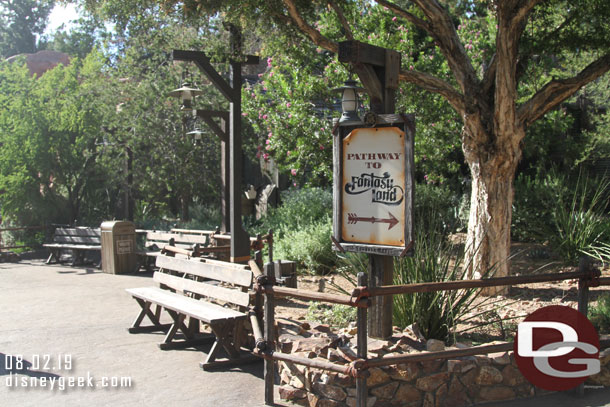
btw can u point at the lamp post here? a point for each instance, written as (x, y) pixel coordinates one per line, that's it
(231, 159)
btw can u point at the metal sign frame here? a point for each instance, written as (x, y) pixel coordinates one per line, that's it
(406, 123)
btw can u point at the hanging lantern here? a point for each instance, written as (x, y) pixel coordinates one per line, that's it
(349, 101)
(186, 93)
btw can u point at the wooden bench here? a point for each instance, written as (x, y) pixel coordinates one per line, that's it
(210, 243)
(203, 291)
(79, 241)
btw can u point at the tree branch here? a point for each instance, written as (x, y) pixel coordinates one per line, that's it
(556, 91)
(348, 31)
(311, 32)
(524, 8)
(489, 76)
(416, 21)
(433, 84)
(443, 31)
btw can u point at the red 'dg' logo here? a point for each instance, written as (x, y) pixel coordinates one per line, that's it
(557, 348)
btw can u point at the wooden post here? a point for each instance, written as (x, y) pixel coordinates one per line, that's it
(361, 323)
(381, 270)
(583, 304)
(378, 70)
(269, 367)
(232, 148)
(240, 241)
(225, 200)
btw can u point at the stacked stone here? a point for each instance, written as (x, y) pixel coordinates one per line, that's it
(453, 383)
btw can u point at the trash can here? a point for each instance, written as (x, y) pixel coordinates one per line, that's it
(118, 247)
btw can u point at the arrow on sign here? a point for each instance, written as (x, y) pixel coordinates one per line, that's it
(352, 218)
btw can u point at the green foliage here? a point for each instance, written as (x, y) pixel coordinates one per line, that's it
(309, 246)
(302, 226)
(599, 314)
(435, 259)
(337, 316)
(535, 199)
(299, 208)
(576, 208)
(20, 24)
(580, 219)
(292, 130)
(48, 128)
(439, 208)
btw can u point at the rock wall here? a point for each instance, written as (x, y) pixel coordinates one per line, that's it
(441, 383)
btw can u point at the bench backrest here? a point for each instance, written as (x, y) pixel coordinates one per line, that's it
(211, 273)
(79, 235)
(181, 240)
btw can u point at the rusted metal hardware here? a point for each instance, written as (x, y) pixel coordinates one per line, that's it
(360, 294)
(446, 354)
(176, 250)
(337, 244)
(407, 248)
(480, 283)
(308, 295)
(317, 364)
(255, 269)
(592, 279)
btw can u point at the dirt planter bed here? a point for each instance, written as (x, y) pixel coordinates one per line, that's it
(464, 381)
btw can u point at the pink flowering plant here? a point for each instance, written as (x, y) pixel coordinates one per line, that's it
(289, 109)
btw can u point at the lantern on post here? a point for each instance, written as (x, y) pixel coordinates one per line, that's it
(349, 102)
(186, 93)
(196, 134)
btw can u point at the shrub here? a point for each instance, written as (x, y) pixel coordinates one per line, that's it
(600, 314)
(309, 246)
(300, 208)
(434, 259)
(534, 200)
(338, 316)
(580, 221)
(446, 205)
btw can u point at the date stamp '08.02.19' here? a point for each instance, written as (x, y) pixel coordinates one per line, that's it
(47, 371)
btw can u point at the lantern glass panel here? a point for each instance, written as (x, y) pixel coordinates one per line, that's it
(349, 102)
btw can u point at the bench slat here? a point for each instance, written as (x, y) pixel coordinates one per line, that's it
(178, 238)
(81, 231)
(220, 293)
(201, 310)
(77, 239)
(72, 246)
(212, 270)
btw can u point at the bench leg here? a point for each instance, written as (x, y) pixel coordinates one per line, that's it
(188, 332)
(154, 318)
(223, 332)
(54, 254)
(77, 257)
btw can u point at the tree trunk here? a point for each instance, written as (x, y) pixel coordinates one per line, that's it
(492, 168)
(184, 208)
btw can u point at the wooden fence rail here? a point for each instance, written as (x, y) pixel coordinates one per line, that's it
(14, 229)
(587, 277)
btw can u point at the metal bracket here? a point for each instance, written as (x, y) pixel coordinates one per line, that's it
(337, 244)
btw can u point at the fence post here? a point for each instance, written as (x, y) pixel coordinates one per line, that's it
(584, 264)
(269, 368)
(361, 390)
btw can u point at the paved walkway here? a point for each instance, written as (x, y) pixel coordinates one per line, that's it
(54, 314)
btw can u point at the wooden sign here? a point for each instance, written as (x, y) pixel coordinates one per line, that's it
(374, 190)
